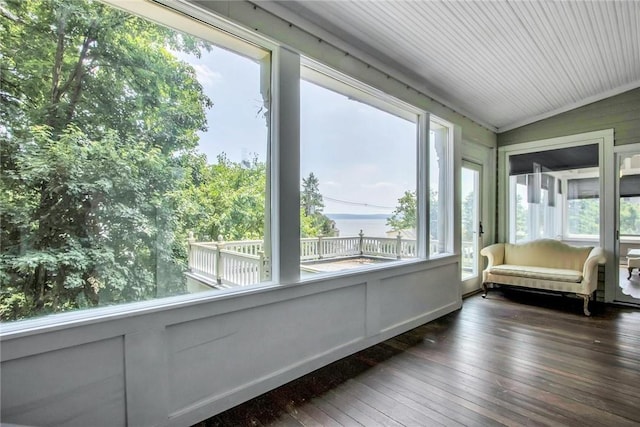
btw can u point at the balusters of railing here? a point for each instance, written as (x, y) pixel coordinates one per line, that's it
(198, 258)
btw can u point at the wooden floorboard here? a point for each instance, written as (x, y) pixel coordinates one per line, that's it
(512, 359)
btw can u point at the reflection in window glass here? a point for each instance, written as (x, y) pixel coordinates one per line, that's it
(583, 207)
(536, 206)
(358, 178)
(630, 216)
(555, 194)
(133, 160)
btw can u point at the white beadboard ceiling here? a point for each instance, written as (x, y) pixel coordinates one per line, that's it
(503, 63)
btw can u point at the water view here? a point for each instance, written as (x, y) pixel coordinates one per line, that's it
(351, 224)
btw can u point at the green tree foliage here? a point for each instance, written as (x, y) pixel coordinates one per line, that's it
(521, 219)
(584, 216)
(468, 225)
(99, 119)
(630, 216)
(307, 225)
(405, 215)
(312, 221)
(224, 199)
(310, 197)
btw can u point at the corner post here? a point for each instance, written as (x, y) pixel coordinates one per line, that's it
(219, 246)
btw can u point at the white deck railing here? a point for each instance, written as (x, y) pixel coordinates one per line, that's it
(237, 263)
(242, 263)
(203, 259)
(242, 269)
(468, 257)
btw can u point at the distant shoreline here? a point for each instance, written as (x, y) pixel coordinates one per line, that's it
(338, 216)
(350, 225)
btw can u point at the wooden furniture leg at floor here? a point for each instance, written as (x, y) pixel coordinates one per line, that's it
(585, 307)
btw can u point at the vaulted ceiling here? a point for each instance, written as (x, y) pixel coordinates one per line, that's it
(503, 63)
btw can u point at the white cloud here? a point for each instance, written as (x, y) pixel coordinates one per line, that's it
(206, 75)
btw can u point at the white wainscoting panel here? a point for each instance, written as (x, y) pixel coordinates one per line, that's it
(208, 357)
(181, 363)
(77, 386)
(414, 296)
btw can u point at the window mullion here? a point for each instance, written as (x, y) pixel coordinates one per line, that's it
(423, 185)
(285, 163)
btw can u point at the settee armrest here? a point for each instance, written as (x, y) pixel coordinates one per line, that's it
(590, 269)
(494, 254)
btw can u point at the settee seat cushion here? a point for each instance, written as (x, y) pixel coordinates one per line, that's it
(542, 273)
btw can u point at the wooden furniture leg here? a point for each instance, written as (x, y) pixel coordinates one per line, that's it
(586, 305)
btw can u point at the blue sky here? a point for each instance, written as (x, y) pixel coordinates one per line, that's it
(360, 154)
(235, 124)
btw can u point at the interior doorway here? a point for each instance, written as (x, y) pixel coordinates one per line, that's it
(628, 225)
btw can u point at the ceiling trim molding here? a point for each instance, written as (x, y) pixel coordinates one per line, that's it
(304, 24)
(581, 103)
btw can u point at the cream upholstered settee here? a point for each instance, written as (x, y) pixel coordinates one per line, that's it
(545, 264)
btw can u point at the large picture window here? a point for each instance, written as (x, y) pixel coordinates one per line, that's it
(134, 158)
(359, 176)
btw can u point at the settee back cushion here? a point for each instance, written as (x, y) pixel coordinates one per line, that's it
(546, 253)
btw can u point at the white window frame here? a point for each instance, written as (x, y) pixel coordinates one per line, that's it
(451, 163)
(331, 79)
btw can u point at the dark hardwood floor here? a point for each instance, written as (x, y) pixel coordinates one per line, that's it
(513, 359)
